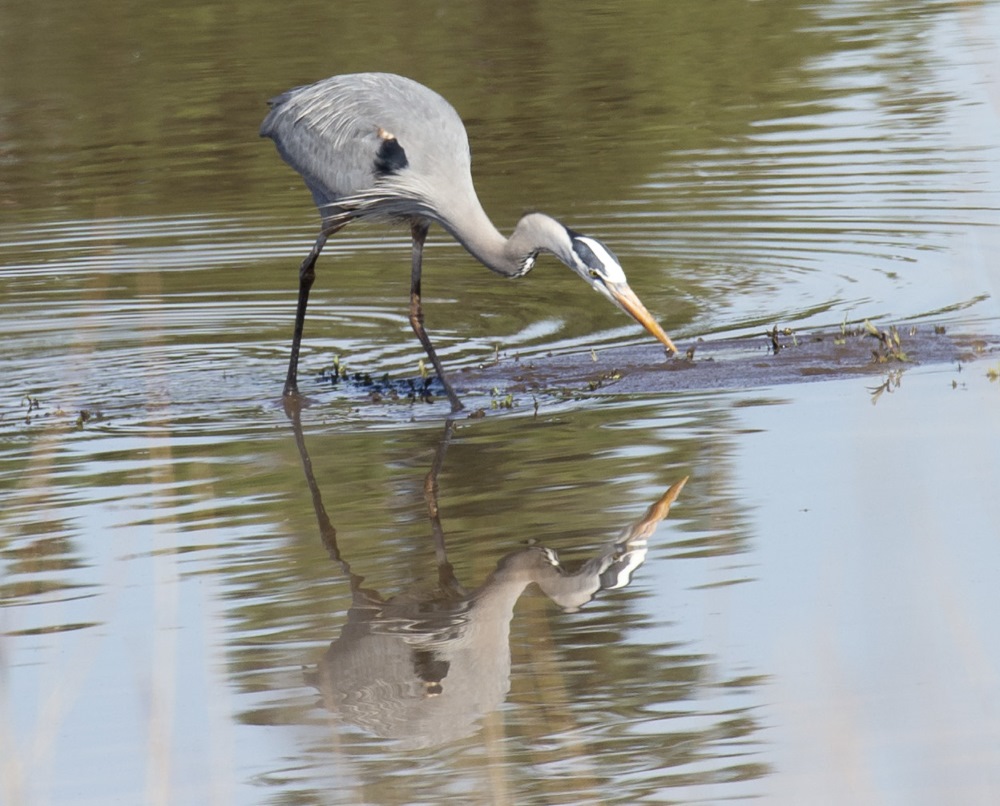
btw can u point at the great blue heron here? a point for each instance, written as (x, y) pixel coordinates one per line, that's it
(381, 146)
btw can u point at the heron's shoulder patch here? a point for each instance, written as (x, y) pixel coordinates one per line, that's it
(390, 157)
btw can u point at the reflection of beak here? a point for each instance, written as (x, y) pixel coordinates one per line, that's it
(632, 305)
(643, 528)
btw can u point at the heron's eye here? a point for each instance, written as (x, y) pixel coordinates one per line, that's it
(594, 273)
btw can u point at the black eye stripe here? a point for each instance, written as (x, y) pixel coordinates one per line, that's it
(586, 254)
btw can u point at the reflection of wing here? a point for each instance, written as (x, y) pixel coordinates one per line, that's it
(422, 691)
(612, 568)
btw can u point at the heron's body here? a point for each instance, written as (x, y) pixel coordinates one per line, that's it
(381, 146)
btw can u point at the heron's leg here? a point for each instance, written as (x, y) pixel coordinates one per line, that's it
(419, 231)
(446, 573)
(307, 274)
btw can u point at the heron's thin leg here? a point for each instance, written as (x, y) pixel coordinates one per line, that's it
(446, 573)
(307, 274)
(327, 532)
(419, 231)
(431, 493)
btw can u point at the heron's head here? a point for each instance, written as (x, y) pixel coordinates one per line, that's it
(597, 264)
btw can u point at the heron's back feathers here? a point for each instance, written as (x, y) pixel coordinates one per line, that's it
(373, 145)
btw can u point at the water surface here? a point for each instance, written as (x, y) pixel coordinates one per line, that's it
(813, 620)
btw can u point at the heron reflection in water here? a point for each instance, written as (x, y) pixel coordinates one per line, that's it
(423, 668)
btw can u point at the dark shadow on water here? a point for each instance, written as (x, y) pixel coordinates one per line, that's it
(424, 667)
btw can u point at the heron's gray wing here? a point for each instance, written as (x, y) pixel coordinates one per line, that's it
(318, 131)
(369, 143)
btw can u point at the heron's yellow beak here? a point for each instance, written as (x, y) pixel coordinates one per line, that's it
(632, 305)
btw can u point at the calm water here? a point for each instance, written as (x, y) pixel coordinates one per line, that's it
(204, 602)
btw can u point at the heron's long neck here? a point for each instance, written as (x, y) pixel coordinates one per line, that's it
(507, 256)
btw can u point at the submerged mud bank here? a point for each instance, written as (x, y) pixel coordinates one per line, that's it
(773, 358)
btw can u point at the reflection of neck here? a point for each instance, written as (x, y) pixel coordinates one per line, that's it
(513, 574)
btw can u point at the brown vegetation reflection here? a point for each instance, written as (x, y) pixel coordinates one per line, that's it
(424, 667)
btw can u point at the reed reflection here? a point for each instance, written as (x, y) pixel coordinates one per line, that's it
(424, 667)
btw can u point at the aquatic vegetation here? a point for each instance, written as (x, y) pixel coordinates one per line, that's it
(774, 333)
(605, 377)
(499, 400)
(87, 415)
(383, 388)
(890, 345)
